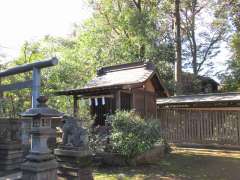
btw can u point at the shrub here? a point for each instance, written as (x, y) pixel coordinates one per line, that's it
(131, 135)
(99, 139)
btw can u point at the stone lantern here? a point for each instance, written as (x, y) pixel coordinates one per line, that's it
(40, 164)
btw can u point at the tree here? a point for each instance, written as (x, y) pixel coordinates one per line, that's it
(178, 47)
(135, 29)
(18, 101)
(202, 36)
(231, 78)
(71, 72)
(119, 32)
(127, 31)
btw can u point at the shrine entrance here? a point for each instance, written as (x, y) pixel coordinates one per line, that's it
(34, 83)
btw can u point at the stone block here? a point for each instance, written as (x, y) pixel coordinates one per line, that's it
(109, 159)
(46, 170)
(152, 156)
(74, 164)
(11, 156)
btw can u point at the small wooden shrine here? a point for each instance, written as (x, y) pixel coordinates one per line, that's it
(125, 87)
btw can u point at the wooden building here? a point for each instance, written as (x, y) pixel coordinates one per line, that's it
(198, 85)
(125, 87)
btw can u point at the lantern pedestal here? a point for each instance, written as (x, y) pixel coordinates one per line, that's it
(40, 170)
(74, 163)
(41, 163)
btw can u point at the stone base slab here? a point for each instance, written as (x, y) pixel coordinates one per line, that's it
(71, 153)
(10, 167)
(74, 174)
(46, 170)
(74, 164)
(39, 166)
(11, 156)
(8, 154)
(39, 157)
(10, 146)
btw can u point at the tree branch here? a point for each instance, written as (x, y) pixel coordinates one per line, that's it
(110, 24)
(137, 4)
(210, 46)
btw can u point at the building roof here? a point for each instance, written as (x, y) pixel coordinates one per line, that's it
(118, 76)
(198, 84)
(186, 76)
(200, 98)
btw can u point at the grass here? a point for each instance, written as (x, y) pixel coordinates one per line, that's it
(182, 163)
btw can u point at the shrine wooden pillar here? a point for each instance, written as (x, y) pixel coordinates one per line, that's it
(75, 106)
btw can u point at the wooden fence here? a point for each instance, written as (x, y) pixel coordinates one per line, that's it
(219, 126)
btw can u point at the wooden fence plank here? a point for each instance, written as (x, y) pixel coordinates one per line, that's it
(238, 128)
(200, 125)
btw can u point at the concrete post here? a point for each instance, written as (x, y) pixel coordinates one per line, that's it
(36, 77)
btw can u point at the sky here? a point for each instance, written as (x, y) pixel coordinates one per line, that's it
(27, 20)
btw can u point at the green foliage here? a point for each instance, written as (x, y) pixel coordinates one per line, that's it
(130, 32)
(71, 72)
(118, 32)
(122, 32)
(99, 139)
(232, 79)
(236, 46)
(132, 135)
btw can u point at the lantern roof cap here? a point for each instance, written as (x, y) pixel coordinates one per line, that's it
(42, 110)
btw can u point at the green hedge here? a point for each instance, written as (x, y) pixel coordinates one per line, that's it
(132, 135)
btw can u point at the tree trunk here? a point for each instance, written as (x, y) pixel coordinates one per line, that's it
(1, 93)
(194, 44)
(142, 52)
(178, 48)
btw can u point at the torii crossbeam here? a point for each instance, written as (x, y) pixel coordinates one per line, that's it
(34, 84)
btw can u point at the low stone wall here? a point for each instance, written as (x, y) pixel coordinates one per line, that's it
(13, 129)
(152, 156)
(109, 159)
(25, 135)
(10, 130)
(15, 141)
(11, 154)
